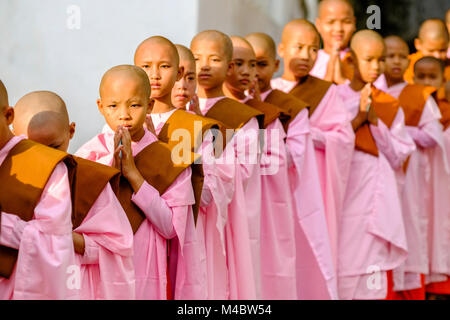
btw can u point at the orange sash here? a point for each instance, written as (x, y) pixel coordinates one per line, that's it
(311, 90)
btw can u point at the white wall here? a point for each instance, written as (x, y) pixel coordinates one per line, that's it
(39, 52)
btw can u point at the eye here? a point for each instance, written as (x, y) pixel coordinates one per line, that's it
(112, 106)
(145, 66)
(191, 78)
(165, 66)
(135, 105)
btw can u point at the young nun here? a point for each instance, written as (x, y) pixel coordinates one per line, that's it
(372, 240)
(213, 53)
(331, 130)
(36, 245)
(156, 191)
(272, 233)
(103, 238)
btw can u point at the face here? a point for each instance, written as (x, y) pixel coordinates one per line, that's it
(433, 48)
(336, 25)
(428, 74)
(184, 89)
(124, 102)
(159, 62)
(243, 69)
(211, 63)
(266, 66)
(370, 59)
(396, 59)
(300, 52)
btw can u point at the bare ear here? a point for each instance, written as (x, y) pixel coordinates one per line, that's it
(417, 44)
(281, 50)
(9, 115)
(180, 73)
(277, 65)
(230, 68)
(71, 130)
(100, 105)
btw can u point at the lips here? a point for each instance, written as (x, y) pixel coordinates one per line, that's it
(155, 85)
(244, 82)
(204, 76)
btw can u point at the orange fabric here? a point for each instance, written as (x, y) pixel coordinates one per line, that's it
(271, 111)
(288, 103)
(234, 114)
(444, 107)
(156, 166)
(23, 175)
(409, 73)
(412, 100)
(386, 108)
(439, 287)
(181, 119)
(311, 90)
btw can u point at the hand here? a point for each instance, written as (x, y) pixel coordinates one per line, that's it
(194, 105)
(126, 164)
(372, 116)
(365, 99)
(117, 159)
(78, 243)
(254, 90)
(331, 66)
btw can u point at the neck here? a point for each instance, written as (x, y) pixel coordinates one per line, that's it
(391, 81)
(138, 135)
(287, 75)
(209, 93)
(265, 89)
(233, 93)
(357, 84)
(4, 141)
(163, 104)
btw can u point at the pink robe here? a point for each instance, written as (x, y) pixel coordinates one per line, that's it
(328, 169)
(168, 216)
(372, 237)
(244, 206)
(439, 227)
(320, 66)
(46, 264)
(107, 268)
(415, 190)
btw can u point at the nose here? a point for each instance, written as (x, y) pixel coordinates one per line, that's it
(203, 64)
(154, 72)
(304, 53)
(124, 113)
(337, 26)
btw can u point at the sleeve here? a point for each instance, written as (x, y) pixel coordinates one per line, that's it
(11, 230)
(296, 139)
(395, 142)
(429, 131)
(46, 252)
(155, 209)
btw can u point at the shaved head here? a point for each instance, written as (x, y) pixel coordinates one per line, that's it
(42, 116)
(263, 42)
(241, 42)
(396, 40)
(126, 72)
(151, 42)
(363, 38)
(3, 97)
(184, 53)
(433, 29)
(429, 60)
(296, 27)
(217, 37)
(329, 5)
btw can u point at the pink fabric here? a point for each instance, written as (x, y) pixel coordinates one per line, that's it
(282, 84)
(333, 140)
(167, 216)
(278, 268)
(371, 229)
(415, 193)
(107, 269)
(316, 277)
(439, 226)
(320, 66)
(46, 252)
